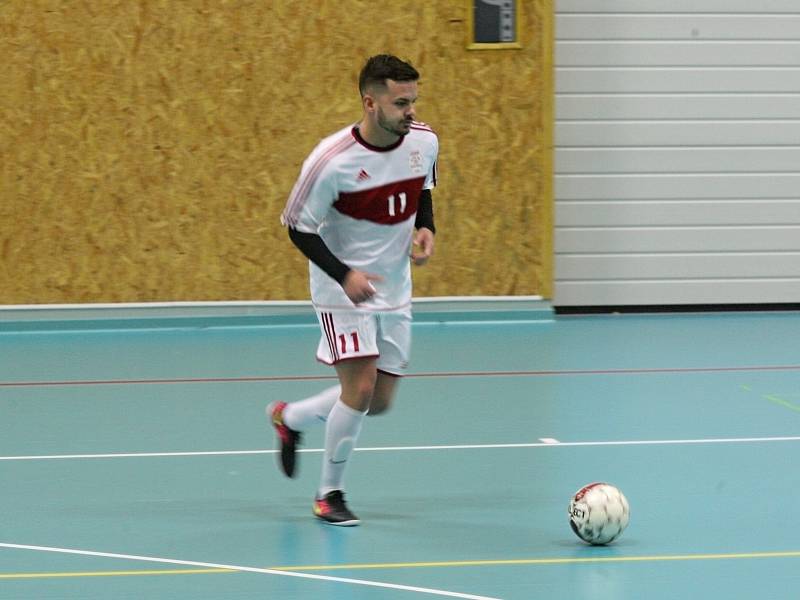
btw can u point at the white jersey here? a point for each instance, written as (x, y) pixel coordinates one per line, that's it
(362, 201)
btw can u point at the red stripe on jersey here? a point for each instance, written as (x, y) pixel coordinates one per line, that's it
(387, 204)
(299, 194)
(419, 126)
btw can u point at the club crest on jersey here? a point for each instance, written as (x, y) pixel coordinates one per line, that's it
(415, 161)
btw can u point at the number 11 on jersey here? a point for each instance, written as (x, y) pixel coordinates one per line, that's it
(392, 207)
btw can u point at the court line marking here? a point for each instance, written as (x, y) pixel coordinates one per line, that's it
(780, 401)
(557, 560)
(282, 573)
(774, 398)
(538, 373)
(139, 573)
(746, 440)
(417, 565)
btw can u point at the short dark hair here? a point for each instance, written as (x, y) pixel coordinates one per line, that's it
(381, 67)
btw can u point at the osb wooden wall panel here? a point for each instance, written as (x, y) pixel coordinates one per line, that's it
(147, 147)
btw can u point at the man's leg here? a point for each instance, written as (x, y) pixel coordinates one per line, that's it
(304, 413)
(290, 420)
(385, 389)
(357, 378)
(394, 346)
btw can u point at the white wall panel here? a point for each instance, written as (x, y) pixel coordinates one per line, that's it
(723, 7)
(678, 106)
(677, 292)
(570, 240)
(727, 265)
(687, 212)
(678, 27)
(677, 79)
(688, 134)
(670, 187)
(674, 54)
(682, 160)
(677, 152)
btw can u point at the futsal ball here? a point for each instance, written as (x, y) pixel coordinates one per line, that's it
(598, 513)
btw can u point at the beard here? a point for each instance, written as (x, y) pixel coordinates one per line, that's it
(399, 127)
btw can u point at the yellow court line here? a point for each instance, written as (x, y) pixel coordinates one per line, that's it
(418, 565)
(547, 561)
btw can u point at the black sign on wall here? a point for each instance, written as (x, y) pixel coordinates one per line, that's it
(494, 24)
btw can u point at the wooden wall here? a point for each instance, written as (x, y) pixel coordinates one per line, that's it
(147, 147)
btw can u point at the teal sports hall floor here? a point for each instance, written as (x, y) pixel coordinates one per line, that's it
(137, 463)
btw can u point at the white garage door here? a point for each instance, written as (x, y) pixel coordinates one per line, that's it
(677, 152)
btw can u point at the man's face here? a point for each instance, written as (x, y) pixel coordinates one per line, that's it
(395, 106)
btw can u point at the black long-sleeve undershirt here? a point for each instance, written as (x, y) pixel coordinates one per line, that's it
(425, 211)
(315, 249)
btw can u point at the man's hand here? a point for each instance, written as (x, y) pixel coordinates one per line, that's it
(424, 241)
(358, 287)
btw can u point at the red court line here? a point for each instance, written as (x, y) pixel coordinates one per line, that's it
(268, 378)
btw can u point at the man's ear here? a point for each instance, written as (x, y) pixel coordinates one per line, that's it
(368, 102)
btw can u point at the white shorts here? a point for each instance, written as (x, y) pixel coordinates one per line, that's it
(350, 334)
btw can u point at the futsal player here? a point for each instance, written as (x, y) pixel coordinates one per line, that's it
(359, 209)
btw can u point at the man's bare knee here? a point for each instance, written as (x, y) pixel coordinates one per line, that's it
(360, 396)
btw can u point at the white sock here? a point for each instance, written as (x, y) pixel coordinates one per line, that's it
(341, 433)
(314, 409)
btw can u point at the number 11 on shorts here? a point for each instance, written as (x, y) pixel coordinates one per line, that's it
(343, 341)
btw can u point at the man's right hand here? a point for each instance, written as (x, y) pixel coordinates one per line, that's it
(358, 287)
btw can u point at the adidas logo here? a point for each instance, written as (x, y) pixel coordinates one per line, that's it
(362, 175)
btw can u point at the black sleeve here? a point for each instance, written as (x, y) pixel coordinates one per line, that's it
(317, 252)
(425, 211)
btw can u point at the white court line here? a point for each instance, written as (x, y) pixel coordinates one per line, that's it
(548, 444)
(145, 454)
(205, 565)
